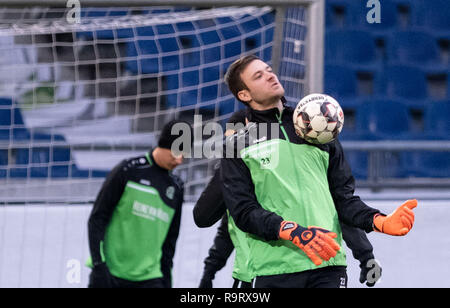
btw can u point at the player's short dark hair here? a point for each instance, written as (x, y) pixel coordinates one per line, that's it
(233, 75)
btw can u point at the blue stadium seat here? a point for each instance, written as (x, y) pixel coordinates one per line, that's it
(433, 16)
(402, 82)
(437, 127)
(381, 119)
(194, 95)
(341, 83)
(427, 164)
(251, 25)
(210, 37)
(13, 126)
(384, 119)
(388, 15)
(3, 157)
(350, 47)
(359, 163)
(146, 47)
(210, 73)
(437, 120)
(112, 34)
(186, 26)
(3, 163)
(414, 48)
(46, 156)
(149, 60)
(11, 121)
(338, 14)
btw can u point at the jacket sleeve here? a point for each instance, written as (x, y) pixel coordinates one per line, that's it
(220, 251)
(350, 208)
(240, 199)
(357, 241)
(103, 208)
(168, 249)
(210, 207)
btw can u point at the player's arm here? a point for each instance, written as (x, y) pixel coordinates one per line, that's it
(210, 207)
(353, 211)
(357, 241)
(218, 254)
(362, 250)
(104, 205)
(168, 248)
(240, 199)
(350, 208)
(103, 208)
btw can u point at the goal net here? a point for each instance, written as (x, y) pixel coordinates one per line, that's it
(82, 88)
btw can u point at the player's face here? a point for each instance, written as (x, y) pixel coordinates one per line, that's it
(169, 160)
(263, 85)
(175, 160)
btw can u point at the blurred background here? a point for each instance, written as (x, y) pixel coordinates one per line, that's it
(79, 95)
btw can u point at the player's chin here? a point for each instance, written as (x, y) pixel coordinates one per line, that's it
(278, 91)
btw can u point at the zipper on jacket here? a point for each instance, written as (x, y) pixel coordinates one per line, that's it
(281, 125)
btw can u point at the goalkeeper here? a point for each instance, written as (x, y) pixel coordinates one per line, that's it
(210, 207)
(134, 224)
(289, 195)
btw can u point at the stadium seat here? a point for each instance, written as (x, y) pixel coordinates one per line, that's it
(427, 164)
(210, 37)
(338, 14)
(384, 119)
(148, 61)
(437, 127)
(106, 34)
(340, 83)
(12, 124)
(251, 25)
(3, 157)
(433, 16)
(437, 123)
(388, 16)
(350, 47)
(359, 163)
(402, 82)
(414, 48)
(381, 119)
(184, 26)
(11, 121)
(193, 95)
(3, 163)
(38, 159)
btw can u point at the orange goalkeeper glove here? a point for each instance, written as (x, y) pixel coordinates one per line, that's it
(397, 223)
(317, 243)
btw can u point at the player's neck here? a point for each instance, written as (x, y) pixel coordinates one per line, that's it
(266, 106)
(158, 157)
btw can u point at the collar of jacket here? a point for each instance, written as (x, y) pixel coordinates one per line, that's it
(267, 116)
(152, 162)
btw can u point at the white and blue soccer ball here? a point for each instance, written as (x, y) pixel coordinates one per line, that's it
(318, 118)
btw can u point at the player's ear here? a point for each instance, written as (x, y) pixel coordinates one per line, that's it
(244, 95)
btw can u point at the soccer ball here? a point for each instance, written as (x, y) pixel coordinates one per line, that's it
(318, 118)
